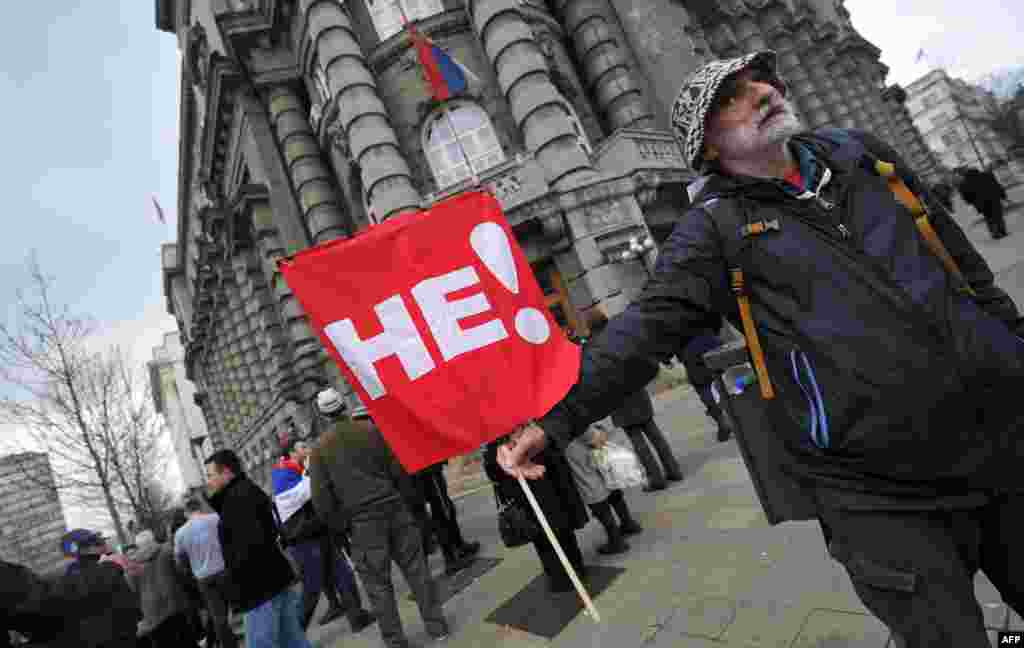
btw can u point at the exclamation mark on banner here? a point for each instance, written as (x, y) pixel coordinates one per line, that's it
(492, 246)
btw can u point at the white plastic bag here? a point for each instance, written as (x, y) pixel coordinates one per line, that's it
(619, 466)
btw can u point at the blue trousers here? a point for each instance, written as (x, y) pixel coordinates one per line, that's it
(277, 623)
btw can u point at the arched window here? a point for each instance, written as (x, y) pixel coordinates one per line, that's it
(387, 14)
(460, 142)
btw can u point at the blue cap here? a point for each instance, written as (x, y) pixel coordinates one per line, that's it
(76, 540)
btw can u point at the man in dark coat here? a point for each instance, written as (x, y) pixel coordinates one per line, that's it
(982, 190)
(259, 576)
(910, 450)
(361, 490)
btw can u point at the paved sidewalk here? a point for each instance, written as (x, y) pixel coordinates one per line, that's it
(707, 571)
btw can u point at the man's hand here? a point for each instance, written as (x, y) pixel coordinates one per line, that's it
(516, 456)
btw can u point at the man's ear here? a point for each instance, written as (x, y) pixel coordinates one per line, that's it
(710, 153)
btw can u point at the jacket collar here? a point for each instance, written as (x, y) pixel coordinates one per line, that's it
(815, 160)
(217, 500)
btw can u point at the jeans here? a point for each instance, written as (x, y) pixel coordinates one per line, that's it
(276, 623)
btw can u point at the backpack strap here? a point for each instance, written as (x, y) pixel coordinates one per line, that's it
(739, 289)
(850, 149)
(919, 211)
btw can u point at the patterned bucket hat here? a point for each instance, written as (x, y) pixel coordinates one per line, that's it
(692, 104)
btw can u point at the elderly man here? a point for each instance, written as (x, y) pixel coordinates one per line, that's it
(893, 381)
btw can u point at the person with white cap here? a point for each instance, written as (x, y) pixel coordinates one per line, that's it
(361, 490)
(888, 362)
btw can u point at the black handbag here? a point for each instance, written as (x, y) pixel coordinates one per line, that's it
(515, 524)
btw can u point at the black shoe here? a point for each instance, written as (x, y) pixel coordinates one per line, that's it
(674, 477)
(630, 527)
(614, 547)
(361, 621)
(655, 487)
(458, 564)
(469, 549)
(332, 613)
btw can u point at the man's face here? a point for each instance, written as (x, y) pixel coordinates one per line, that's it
(217, 478)
(749, 116)
(300, 452)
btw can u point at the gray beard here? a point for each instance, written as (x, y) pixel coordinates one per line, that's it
(782, 128)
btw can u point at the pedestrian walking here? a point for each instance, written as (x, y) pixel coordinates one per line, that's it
(259, 579)
(165, 605)
(361, 491)
(197, 549)
(984, 192)
(891, 379)
(603, 502)
(309, 545)
(559, 499)
(442, 521)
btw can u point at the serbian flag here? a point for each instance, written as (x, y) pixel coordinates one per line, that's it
(437, 321)
(446, 76)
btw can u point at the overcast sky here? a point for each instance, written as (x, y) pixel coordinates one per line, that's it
(90, 129)
(970, 38)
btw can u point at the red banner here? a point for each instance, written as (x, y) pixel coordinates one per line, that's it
(437, 321)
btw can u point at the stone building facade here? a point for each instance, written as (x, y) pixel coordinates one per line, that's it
(306, 120)
(174, 399)
(31, 516)
(955, 118)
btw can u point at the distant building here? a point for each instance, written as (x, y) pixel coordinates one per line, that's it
(174, 398)
(302, 122)
(955, 119)
(31, 517)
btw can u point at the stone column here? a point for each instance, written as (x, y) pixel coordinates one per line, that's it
(363, 117)
(774, 23)
(868, 83)
(907, 139)
(831, 104)
(321, 208)
(609, 68)
(540, 112)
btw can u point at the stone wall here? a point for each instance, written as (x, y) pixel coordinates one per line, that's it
(31, 518)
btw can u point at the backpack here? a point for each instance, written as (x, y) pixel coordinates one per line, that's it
(900, 180)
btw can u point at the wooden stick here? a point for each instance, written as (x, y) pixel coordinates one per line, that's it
(587, 603)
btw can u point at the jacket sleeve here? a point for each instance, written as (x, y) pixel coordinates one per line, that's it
(325, 504)
(674, 306)
(990, 298)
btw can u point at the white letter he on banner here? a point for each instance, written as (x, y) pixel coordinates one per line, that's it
(400, 337)
(443, 316)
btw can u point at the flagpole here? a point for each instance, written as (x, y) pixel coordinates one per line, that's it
(451, 126)
(582, 591)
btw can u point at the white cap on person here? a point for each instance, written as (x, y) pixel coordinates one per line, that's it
(329, 401)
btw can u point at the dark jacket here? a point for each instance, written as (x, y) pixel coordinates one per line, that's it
(353, 470)
(919, 382)
(256, 568)
(159, 586)
(980, 188)
(101, 609)
(556, 492)
(29, 605)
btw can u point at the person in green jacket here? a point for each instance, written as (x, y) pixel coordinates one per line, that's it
(360, 490)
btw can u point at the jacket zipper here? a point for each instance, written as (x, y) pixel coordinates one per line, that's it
(895, 293)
